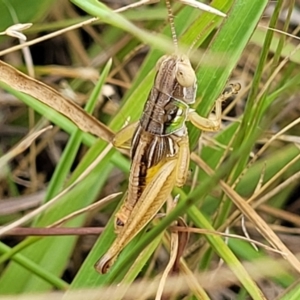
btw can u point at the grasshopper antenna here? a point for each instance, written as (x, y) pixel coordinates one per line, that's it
(172, 25)
(203, 7)
(193, 44)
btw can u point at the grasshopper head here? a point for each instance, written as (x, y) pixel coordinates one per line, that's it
(176, 77)
(183, 70)
(185, 74)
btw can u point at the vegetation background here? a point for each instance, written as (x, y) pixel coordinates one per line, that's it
(107, 66)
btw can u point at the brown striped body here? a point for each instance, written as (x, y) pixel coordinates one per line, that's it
(162, 123)
(150, 152)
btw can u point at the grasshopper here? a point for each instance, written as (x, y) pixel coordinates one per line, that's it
(160, 151)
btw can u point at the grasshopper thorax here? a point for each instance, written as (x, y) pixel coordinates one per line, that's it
(173, 91)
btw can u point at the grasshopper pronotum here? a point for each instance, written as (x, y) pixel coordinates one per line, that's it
(159, 146)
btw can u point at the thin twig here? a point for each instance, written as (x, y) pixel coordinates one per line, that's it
(56, 231)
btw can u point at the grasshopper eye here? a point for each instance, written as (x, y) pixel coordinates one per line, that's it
(185, 75)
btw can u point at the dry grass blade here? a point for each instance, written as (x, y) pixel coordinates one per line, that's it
(204, 7)
(87, 73)
(174, 246)
(148, 288)
(251, 214)
(52, 98)
(21, 146)
(192, 281)
(173, 254)
(37, 211)
(227, 235)
(281, 214)
(192, 3)
(91, 207)
(48, 36)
